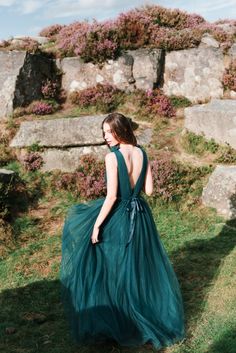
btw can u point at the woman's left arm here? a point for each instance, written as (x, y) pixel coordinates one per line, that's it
(112, 185)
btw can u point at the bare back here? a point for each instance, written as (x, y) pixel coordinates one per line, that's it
(133, 157)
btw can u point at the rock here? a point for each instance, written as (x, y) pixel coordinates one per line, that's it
(232, 51)
(65, 132)
(194, 73)
(68, 160)
(232, 94)
(147, 67)
(209, 41)
(145, 137)
(78, 75)
(21, 77)
(140, 68)
(70, 138)
(6, 175)
(11, 63)
(216, 120)
(220, 192)
(39, 39)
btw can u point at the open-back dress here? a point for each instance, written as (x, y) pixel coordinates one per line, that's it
(122, 288)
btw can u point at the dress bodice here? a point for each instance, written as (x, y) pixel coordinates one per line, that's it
(125, 191)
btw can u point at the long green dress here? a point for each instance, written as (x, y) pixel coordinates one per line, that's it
(122, 288)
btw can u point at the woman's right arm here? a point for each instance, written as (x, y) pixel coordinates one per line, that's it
(148, 182)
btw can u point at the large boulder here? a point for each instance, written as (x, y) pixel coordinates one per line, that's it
(147, 67)
(68, 160)
(140, 68)
(220, 192)
(232, 51)
(194, 73)
(64, 141)
(78, 75)
(65, 132)
(21, 77)
(216, 120)
(10, 65)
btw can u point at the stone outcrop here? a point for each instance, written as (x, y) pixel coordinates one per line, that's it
(220, 192)
(68, 160)
(194, 73)
(11, 64)
(66, 132)
(147, 67)
(209, 41)
(133, 69)
(64, 141)
(216, 120)
(78, 75)
(232, 51)
(21, 77)
(21, 39)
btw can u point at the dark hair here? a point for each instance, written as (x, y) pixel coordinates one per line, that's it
(121, 128)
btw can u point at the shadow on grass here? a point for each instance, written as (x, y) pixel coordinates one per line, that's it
(36, 311)
(197, 265)
(226, 343)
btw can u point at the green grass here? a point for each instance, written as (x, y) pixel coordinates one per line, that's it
(200, 246)
(198, 145)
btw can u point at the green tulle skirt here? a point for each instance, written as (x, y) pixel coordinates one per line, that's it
(119, 289)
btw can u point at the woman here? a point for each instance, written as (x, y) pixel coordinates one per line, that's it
(117, 281)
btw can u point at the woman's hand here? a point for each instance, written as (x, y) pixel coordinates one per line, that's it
(94, 237)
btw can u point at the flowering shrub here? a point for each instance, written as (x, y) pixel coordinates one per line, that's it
(49, 89)
(91, 177)
(229, 77)
(172, 39)
(4, 43)
(40, 108)
(88, 181)
(226, 21)
(172, 18)
(93, 42)
(99, 44)
(51, 32)
(105, 97)
(67, 181)
(26, 43)
(133, 29)
(32, 161)
(164, 176)
(37, 107)
(150, 26)
(172, 180)
(71, 36)
(156, 103)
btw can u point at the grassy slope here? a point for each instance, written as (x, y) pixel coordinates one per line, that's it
(200, 245)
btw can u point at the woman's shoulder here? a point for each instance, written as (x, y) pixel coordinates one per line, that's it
(110, 158)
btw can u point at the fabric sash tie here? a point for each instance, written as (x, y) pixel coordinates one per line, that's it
(133, 206)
